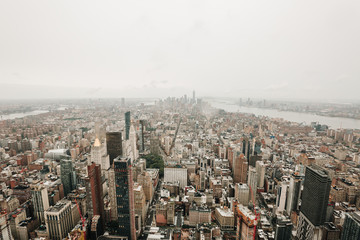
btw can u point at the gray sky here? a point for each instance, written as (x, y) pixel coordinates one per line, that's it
(242, 48)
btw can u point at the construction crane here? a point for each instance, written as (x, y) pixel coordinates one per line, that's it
(256, 214)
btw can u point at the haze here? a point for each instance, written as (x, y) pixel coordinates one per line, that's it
(267, 49)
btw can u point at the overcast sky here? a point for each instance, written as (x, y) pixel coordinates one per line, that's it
(243, 48)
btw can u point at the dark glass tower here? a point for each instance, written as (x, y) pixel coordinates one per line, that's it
(283, 229)
(125, 198)
(127, 125)
(315, 194)
(114, 145)
(68, 176)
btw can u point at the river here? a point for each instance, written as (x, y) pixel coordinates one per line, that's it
(332, 122)
(21, 115)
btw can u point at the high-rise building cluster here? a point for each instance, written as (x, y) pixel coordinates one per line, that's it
(175, 169)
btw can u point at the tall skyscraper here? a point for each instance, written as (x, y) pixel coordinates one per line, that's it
(260, 171)
(252, 183)
(94, 174)
(113, 145)
(112, 195)
(133, 146)
(246, 148)
(142, 140)
(294, 193)
(240, 168)
(351, 227)
(127, 125)
(314, 202)
(99, 155)
(68, 175)
(40, 200)
(125, 198)
(282, 193)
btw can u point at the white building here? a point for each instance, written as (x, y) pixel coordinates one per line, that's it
(99, 155)
(176, 174)
(242, 193)
(39, 194)
(260, 170)
(59, 220)
(281, 196)
(252, 182)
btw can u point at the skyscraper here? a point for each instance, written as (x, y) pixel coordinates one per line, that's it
(94, 174)
(125, 198)
(112, 195)
(294, 193)
(240, 168)
(133, 146)
(142, 141)
(40, 200)
(99, 155)
(314, 202)
(260, 171)
(113, 145)
(252, 183)
(68, 175)
(351, 227)
(316, 194)
(127, 125)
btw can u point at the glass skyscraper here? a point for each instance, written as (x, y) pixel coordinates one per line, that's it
(124, 198)
(68, 176)
(127, 125)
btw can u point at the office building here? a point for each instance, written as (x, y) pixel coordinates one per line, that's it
(282, 193)
(142, 139)
(294, 192)
(140, 202)
(351, 227)
(242, 193)
(283, 229)
(331, 232)
(127, 125)
(199, 215)
(314, 202)
(260, 171)
(240, 168)
(97, 201)
(59, 220)
(68, 176)
(99, 155)
(113, 145)
(134, 154)
(315, 194)
(252, 183)
(125, 198)
(176, 174)
(40, 200)
(225, 218)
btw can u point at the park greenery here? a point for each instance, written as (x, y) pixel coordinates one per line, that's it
(155, 161)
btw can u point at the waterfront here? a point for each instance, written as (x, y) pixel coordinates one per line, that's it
(21, 115)
(307, 118)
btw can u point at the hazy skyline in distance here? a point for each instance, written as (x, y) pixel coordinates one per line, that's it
(263, 49)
